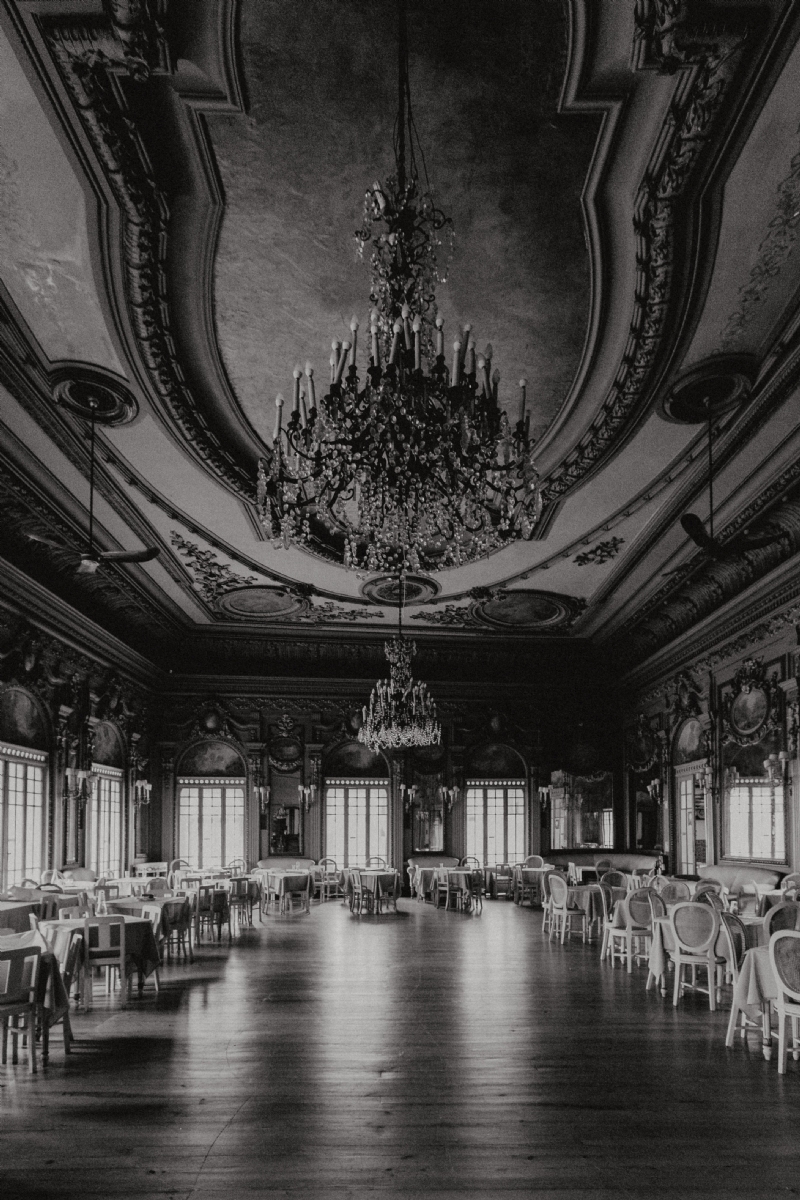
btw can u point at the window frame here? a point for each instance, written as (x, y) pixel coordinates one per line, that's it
(91, 835)
(505, 785)
(223, 782)
(351, 784)
(27, 758)
(750, 782)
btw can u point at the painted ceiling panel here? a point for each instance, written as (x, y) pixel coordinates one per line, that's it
(45, 260)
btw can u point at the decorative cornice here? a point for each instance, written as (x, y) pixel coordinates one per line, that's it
(88, 53)
(666, 40)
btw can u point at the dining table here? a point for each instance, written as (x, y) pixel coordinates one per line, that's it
(16, 914)
(382, 882)
(281, 882)
(141, 949)
(662, 943)
(753, 994)
(589, 897)
(131, 906)
(52, 1001)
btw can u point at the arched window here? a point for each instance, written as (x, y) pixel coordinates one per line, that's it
(356, 820)
(104, 822)
(496, 820)
(22, 825)
(211, 820)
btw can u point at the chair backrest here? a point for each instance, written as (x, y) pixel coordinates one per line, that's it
(558, 889)
(33, 921)
(48, 887)
(238, 888)
(157, 885)
(533, 860)
(602, 865)
(781, 916)
(784, 955)
(675, 890)
(48, 909)
(792, 880)
(469, 860)
(694, 926)
(152, 913)
(328, 865)
(104, 938)
(18, 972)
(657, 906)
(711, 899)
(736, 936)
(607, 900)
(637, 910)
(546, 882)
(237, 866)
(376, 861)
(355, 879)
(707, 885)
(205, 895)
(614, 878)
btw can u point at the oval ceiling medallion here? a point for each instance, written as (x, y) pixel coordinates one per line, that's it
(720, 383)
(261, 603)
(385, 589)
(84, 390)
(522, 609)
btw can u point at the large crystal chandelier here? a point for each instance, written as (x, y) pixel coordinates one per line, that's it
(411, 464)
(400, 712)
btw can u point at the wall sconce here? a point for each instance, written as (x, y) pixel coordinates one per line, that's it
(307, 796)
(544, 796)
(777, 767)
(141, 793)
(408, 794)
(80, 784)
(449, 796)
(654, 790)
(261, 793)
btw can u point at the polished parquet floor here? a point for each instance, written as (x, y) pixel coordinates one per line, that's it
(427, 1054)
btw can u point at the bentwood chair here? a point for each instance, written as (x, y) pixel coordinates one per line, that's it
(784, 957)
(534, 860)
(176, 920)
(614, 878)
(601, 866)
(19, 971)
(359, 898)
(547, 900)
(707, 885)
(239, 900)
(376, 861)
(329, 879)
(564, 913)
(695, 928)
(607, 900)
(637, 914)
(785, 915)
(713, 899)
(675, 891)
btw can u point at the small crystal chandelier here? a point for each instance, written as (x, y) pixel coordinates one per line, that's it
(412, 465)
(400, 713)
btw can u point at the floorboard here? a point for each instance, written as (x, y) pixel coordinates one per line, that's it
(428, 1054)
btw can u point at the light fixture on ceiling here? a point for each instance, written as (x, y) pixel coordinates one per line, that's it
(401, 713)
(414, 465)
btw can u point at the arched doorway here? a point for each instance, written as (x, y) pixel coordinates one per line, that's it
(211, 809)
(496, 818)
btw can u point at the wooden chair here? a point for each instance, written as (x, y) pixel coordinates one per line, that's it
(329, 879)
(563, 913)
(675, 891)
(204, 911)
(475, 889)
(237, 866)
(601, 866)
(713, 899)
(469, 860)
(104, 946)
(239, 901)
(359, 898)
(637, 914)
(707, 885)
(527, 888)
(388, 897)
(785, 915)
(547, 900)
(607, 946)
(19, 972)
(784, 957)
(502, 881)
(695, 928)
(533, 860)
(70, 967)
(153, 914)
(614, 878)
(377, 861)
(176, 919)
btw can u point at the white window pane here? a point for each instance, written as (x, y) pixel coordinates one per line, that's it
(211, 809)
(34, 802)
(378, 822)
(495, 825)
(357, 827)
(234, 824)
(334, 824)
(516, 824)
(475, 847)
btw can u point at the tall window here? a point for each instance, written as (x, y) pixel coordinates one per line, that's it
(104, 825)
(755, 823)
(211, 821)
(495, 820)
(21, 814)
(356, 821)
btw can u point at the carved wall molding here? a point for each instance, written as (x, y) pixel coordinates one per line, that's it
(750, 706)
(89, 54)
(667, 40)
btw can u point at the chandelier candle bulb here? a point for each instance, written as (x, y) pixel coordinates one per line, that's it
(297, 373)
(312, 399)
(373, 329)
(469, 358)
(276, 437)
(523, 383)
(439, 337)
(495, 385)
(417, 349)
(341, 363)
(354, 331)
(405, 313)
(397, 330)
(456, 375)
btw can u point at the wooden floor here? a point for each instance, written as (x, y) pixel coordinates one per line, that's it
(427, 1054)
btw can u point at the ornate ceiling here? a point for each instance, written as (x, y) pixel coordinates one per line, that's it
(179, 185)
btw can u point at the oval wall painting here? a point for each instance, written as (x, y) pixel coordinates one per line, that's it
(749, 711)
(690, 745)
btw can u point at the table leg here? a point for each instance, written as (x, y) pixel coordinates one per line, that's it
(766, 1030)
